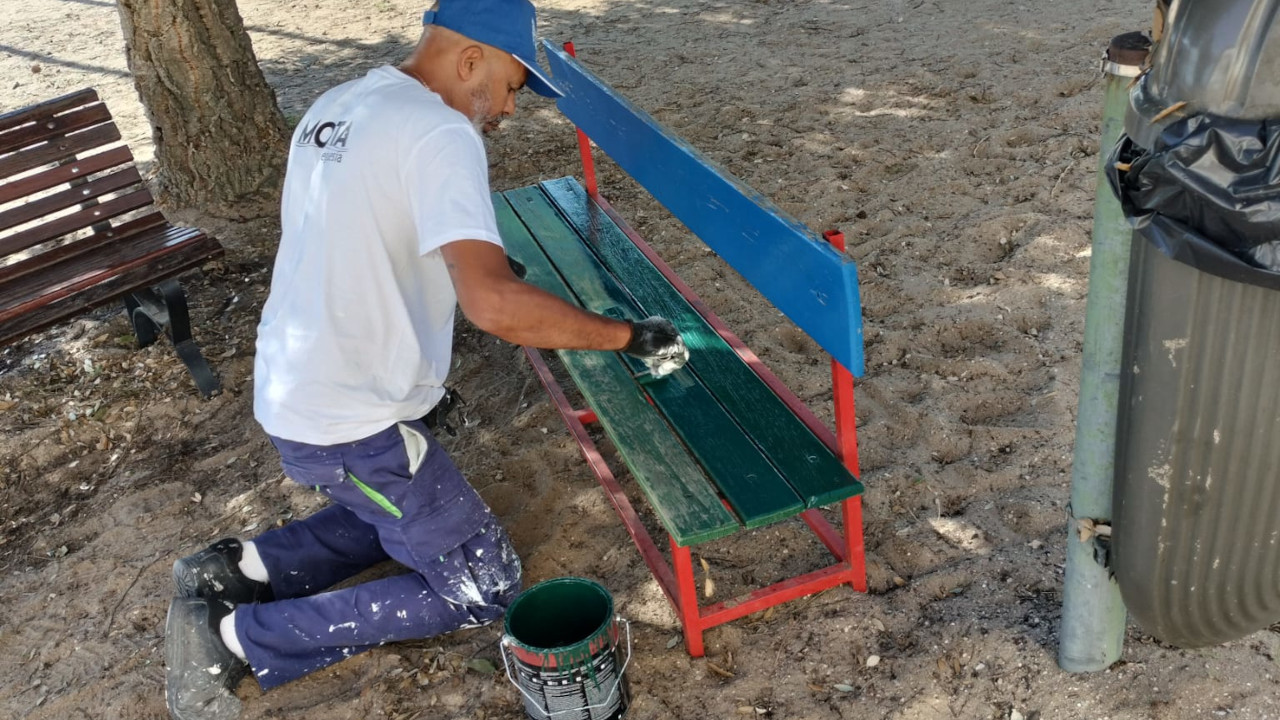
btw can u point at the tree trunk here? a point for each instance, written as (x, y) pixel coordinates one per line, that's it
(220, 138)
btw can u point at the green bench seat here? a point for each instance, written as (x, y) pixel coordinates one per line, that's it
(712, 447)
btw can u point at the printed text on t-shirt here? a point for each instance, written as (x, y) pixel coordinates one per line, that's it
(327, 135)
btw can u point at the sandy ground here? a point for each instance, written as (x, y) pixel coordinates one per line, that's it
(954, 143)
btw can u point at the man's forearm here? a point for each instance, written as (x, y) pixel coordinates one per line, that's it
(523, 314)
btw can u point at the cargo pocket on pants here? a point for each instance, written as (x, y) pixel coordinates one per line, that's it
(416, 446)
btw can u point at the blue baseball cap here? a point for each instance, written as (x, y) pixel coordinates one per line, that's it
(509, 25)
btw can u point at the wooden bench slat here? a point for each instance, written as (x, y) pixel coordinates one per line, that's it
(93, 286)
(61, 149)
(84, 167)
(87, 269)
(676, 487)
(75, 221)
(151, 223)
(63, 103)
(47, 128)
(819, 288)
(816, 474)
(106, 258)
(70, 197)
(754, 489)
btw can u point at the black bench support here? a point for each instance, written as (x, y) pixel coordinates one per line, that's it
(151, 313)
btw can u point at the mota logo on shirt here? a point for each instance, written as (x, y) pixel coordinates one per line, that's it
(325, 135)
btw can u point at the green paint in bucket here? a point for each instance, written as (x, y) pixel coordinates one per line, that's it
(562, 636)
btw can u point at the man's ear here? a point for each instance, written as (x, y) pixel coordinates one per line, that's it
(469, 61)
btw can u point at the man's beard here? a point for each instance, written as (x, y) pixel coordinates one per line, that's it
(480, 99)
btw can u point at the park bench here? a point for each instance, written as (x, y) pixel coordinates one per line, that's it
(78, 229)
(721, 445)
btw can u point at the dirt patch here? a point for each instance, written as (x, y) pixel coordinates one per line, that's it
(954, 143)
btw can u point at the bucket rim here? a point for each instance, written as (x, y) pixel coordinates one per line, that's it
(605, 624)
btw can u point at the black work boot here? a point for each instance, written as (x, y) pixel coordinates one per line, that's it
(214, 573)
(201, 671)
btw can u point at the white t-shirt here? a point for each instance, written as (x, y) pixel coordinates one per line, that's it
(357, 332)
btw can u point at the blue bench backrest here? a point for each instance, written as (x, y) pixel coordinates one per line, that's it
(797, 271)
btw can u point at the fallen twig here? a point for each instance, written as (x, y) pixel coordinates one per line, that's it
(111, 617)
(975, 147)
(1062, 175)
(719, 670)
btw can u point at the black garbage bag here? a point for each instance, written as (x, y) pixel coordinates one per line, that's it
(1207, 195)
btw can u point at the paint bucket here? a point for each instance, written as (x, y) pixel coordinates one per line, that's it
(560, 649)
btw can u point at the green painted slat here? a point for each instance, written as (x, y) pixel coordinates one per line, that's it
(813, 470)
(754, 488)
(680, 494)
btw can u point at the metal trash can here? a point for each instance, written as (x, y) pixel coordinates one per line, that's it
(1195, 542)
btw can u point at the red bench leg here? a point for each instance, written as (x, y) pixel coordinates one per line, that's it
(687, 597)
(851, 511)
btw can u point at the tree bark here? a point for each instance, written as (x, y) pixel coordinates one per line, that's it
(220, 138)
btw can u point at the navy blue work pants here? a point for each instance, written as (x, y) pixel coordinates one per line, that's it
(395, 495)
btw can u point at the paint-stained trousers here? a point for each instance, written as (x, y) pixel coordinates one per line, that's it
(395, 495)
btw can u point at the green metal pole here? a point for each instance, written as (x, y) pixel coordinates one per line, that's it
(1093, 616)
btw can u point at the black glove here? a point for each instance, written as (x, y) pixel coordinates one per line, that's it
(658, 344)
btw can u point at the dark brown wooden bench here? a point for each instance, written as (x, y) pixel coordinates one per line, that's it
(78, 229)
